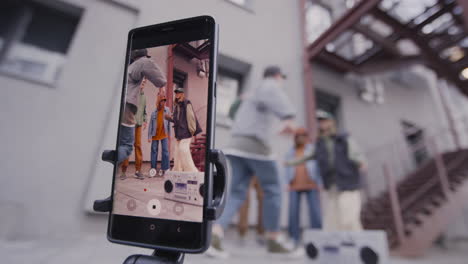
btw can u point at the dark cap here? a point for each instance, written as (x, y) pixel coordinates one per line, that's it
(273, 70)
(179, 90)
(138, 53)
(323, 115)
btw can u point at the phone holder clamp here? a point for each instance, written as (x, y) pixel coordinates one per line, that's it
(212, 212)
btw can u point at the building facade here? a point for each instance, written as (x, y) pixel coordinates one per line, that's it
(60, 98)
(61, 118)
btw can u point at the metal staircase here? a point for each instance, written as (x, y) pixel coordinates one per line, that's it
(415, 211)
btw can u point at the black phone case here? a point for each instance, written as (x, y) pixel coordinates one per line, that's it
(207, 218)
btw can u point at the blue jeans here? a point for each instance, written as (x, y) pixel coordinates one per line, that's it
(126, 140)
(164, 154)
(315, 215)
(267, 174)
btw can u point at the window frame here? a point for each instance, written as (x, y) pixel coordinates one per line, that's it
(234, 68)
(326, 7)
(19, 26)
(222, 119)
(248, 6)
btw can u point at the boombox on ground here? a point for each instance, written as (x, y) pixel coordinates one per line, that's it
(184, 187)
(360, 247)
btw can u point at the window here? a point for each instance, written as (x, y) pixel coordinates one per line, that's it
(318, 19)
(406, 10)
(228, 88)
(230, 83)
(239, 2)
(372, 90)
(327, 102)
(35, 38)
(179, 78)
(414, 136)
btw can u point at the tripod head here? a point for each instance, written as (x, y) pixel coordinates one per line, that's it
(212, 212)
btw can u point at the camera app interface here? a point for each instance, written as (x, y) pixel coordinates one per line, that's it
(162, 141)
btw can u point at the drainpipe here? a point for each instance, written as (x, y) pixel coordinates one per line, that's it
(170, 81)
(309, 91)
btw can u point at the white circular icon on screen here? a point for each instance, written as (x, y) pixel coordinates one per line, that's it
(154, 207)
(152, 172)
(131, 205)
(178, 209)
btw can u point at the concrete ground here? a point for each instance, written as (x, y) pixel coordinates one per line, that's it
(94, 248)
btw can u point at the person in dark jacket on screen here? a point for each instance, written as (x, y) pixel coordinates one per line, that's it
(186, 126)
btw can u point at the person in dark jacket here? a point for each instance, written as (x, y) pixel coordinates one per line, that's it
(186, 126)
(341, 165)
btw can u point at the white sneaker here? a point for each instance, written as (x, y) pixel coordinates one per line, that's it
(283, 248)
(216, 249)
(217, 254)
(152, 172)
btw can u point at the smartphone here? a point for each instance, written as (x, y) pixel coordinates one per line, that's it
(162, 179)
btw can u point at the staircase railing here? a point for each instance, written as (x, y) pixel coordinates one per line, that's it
(399, 157)
(396, 160)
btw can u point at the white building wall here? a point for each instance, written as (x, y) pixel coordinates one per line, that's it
(54, 135)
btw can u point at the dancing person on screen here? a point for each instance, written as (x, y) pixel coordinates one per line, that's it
(140, 118)
(159, 131)
(141, 67)
(185, 127)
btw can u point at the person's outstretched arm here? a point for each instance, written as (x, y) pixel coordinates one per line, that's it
(356, 154)
(301, 160)
(168, 116)
(152, 72)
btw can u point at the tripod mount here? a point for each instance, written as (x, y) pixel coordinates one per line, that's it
(212, 212)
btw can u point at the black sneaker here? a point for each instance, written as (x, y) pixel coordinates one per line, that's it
(139, 175)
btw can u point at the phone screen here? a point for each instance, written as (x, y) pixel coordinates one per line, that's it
(163, 137)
